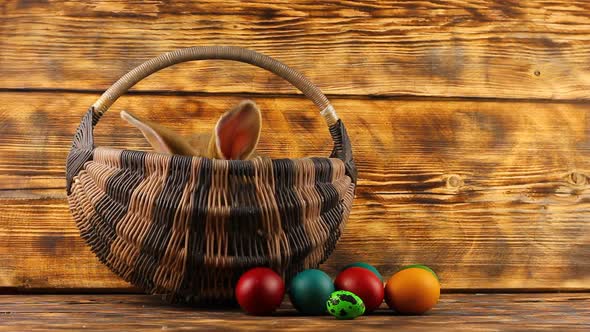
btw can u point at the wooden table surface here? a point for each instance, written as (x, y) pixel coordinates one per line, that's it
(455, 312)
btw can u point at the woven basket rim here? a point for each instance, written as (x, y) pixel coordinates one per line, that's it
(214, 160)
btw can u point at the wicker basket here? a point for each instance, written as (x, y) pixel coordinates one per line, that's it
(188, 227)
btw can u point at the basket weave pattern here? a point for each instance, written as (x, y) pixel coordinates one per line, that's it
(188, 227)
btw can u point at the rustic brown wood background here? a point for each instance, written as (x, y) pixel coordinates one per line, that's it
(470, 122)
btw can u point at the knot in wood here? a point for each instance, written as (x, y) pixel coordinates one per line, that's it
(454, 181)
(577, 179)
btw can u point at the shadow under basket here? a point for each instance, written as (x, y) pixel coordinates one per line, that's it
(188, 227)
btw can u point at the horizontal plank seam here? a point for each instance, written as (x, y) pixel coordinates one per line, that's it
(408, 97)
(134, 291)
(33, 188)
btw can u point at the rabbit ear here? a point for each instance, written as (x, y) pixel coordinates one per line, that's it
(238, 130)
(161, 138)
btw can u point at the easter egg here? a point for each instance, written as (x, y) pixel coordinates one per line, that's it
(309, 290)
(345, 305)
(420, 266)
(412, 291)
(260, 291)
(365, 266)
(364, 284)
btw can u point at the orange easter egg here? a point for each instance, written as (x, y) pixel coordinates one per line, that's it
(412, 291)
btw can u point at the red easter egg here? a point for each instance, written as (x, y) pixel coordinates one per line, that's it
(364, 283)
(260, 291)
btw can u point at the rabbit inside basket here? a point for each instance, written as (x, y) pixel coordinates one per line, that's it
(235, 135)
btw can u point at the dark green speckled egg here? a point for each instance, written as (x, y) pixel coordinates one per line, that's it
(345, 305)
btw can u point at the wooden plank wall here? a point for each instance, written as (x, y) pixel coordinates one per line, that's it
(470, 122)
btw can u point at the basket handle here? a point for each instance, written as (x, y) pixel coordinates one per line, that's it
(83, 144)
(215, 52)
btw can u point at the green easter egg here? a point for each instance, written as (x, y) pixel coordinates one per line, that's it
(365, 266)
(345, 305)
(420, 266)
(309, 290)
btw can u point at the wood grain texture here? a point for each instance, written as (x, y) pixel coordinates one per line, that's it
(483, 48)
(454, 312)
(492, 195)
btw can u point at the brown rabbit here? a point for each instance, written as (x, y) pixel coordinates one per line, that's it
(235, 135)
